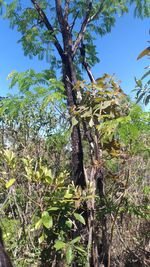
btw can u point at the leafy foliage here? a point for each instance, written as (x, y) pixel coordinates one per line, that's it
(40, 201)
(49, 220)
(143, 90)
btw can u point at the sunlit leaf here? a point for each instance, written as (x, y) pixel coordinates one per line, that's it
(59, 245)
(41, 239)
(69, 223)
(53, 209)
(10, 183)
(38, 224)
(79, 218)
(91, 123)
(47, 220)
(69, 255)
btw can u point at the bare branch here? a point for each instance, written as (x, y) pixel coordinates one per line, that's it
(85, 63)
(48, 25)
(82, 30)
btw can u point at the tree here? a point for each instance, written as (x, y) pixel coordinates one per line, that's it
(51, 30)
(44, 24)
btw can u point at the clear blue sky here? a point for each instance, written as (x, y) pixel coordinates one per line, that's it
(117, 51)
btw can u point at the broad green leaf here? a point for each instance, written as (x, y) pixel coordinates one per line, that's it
(69, 223)
(69, 255)
(47, 220)
(79, 218)
(59, 245)
(10, 183)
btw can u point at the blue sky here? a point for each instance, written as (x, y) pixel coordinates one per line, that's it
(117, 52)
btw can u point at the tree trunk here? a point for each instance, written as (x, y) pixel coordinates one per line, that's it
(69, 78)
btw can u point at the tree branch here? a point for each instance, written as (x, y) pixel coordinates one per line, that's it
(64, 26)
(48, 26)
(67, 3)
(74, 21)
(85, 63)
(82, 29)
(60, 14)
(98, 11)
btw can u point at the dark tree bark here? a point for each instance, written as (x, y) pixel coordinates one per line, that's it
(69, 77)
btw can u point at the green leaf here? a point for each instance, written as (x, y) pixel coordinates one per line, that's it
(69, 255)
(9, 155)
(47, 220)
(69, 224)
(74, 121)
(106, 104)
(79, 218)
(53, 209)
(59, 245)
(68, 195)
(38, 224)
(87, 114)
(10, 183)
(80, 249)
(48, 179)
(75, 240)
(91, 123)
(41, 239)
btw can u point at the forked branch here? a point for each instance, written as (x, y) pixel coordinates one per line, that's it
(48, 25)
(82, 29)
